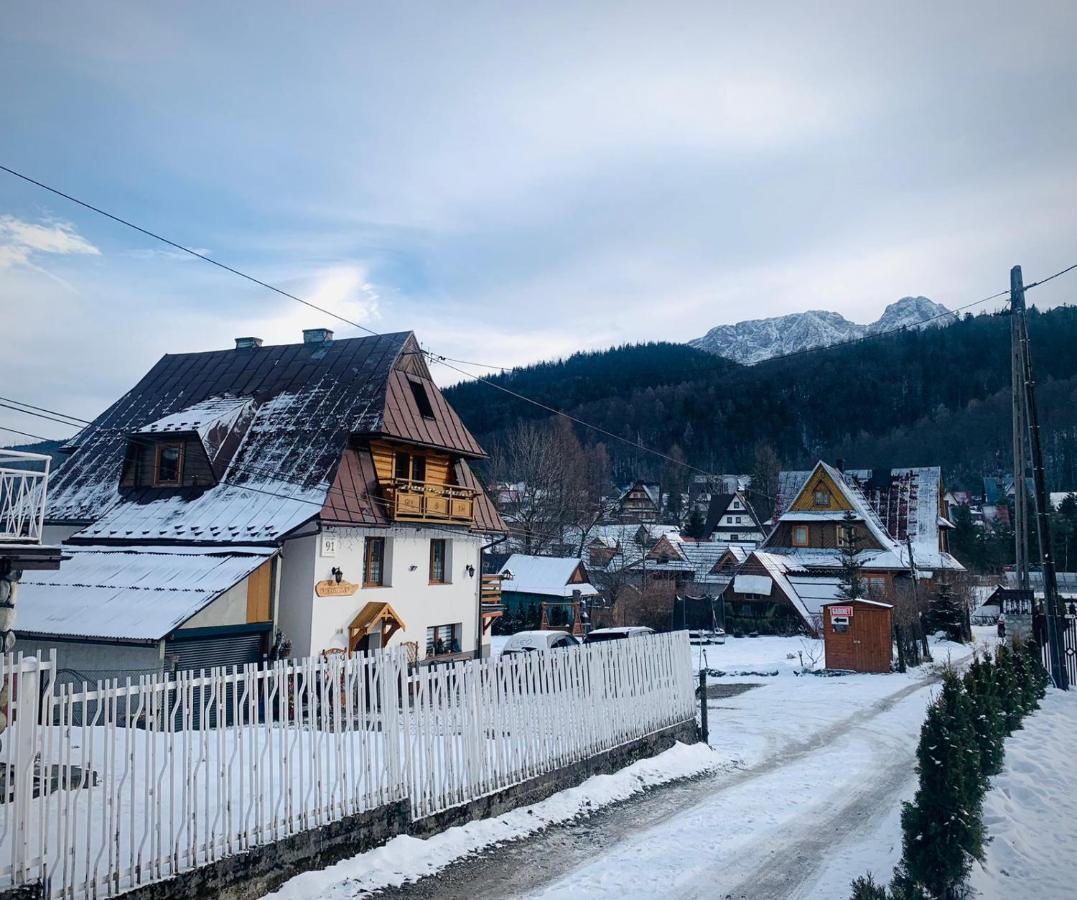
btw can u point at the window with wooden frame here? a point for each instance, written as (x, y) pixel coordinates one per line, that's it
(409, 467)
(438, 550)
(822, 497)
(374, 562)
(168, 464)
(846, 535)
(800, 535)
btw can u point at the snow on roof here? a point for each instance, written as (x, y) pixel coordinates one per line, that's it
(299, 404)
(779, 568)
(135, 593)
(198, 416)
(548, 575)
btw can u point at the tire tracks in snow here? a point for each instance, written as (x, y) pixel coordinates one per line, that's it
(539, 861)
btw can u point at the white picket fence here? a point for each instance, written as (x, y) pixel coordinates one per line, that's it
(116, 785)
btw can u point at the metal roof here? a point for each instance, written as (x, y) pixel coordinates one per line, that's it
(308, 401)
(132, 593)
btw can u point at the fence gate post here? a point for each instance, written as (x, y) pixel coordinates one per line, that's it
(703, 729)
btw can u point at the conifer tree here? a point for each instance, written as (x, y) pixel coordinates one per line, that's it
(987, 722)
(946, 614)
(850, 575)
(942, 828)
(1008, 690)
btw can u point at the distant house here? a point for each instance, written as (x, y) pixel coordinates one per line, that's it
(695, 568)
(795, 570)
(641, 502)
(701, 488)
(730, 518)
(321, 490)
(537, 583)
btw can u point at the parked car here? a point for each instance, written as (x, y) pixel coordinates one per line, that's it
(532, 641)
(617, 634)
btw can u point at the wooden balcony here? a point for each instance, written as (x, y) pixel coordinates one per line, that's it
(490, 605)
(424, 501)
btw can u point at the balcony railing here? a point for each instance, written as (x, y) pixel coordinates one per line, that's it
(23, 481)
(423, 501)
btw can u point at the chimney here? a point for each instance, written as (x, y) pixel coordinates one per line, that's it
(841, 465)
(248, 343)
(317, 335)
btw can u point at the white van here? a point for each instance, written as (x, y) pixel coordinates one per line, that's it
(532, 641)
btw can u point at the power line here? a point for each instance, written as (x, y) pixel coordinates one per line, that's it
(444, 360)
(40, 415)
(76, 419)
(181, 247)
(36, 437)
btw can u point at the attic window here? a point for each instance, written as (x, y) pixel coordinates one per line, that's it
(168, 464)
(822, 497)
(418, 391)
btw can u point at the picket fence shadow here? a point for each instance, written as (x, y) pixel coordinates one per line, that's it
(115, 785)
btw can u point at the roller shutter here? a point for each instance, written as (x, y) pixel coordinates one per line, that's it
(208, 651)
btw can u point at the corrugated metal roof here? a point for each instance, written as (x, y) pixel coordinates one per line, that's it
(134, 593)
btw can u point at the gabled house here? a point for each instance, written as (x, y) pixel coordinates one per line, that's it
(554, 587)
(321, 492)
(640, 503)
(899, 522)
(730, 518)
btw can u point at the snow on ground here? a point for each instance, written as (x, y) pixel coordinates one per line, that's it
(1031, 810)
(406, 858)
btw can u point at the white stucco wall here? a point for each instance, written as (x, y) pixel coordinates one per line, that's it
(419, 603)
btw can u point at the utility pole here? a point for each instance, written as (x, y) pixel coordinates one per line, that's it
(925, 648)
(1020, 433)
(1051, 606)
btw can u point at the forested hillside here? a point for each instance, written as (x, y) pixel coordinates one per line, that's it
(939, 396)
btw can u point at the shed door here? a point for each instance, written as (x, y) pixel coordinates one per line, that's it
(207, 651)
(871, 644)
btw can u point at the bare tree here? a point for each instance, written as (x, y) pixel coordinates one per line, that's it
(560, 482)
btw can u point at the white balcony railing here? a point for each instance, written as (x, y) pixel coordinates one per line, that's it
(24, 479)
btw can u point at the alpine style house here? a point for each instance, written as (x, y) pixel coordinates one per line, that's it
(236, 502)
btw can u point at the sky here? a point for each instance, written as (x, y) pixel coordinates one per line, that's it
(512, 181)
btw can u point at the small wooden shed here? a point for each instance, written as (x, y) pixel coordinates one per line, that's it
(857, 635)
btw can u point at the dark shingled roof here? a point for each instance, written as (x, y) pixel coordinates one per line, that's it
(310, 401)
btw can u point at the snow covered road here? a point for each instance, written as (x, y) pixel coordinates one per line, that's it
(813, 772)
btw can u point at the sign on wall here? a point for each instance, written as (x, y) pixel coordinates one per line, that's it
(329, 543)
(840, 611)
(332, 588)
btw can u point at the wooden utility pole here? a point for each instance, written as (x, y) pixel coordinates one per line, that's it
(924, 646)
(1020, 433)
(1051, 605)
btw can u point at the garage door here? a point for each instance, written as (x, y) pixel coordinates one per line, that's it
(223, 649)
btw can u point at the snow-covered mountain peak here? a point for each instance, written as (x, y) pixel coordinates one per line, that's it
(758, 339)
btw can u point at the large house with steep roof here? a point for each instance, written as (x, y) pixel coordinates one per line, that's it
(317, 494)
(898, 518)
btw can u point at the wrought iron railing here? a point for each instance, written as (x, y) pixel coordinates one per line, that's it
(24, 479)
(424, 501)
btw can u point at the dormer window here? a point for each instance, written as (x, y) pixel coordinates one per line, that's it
(422, 399)
(168, 465)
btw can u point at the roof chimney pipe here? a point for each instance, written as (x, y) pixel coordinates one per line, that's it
(248, 343)
(841, 465)
(317, 335)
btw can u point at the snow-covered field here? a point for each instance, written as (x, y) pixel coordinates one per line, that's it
(1031, 810)
(811, 771)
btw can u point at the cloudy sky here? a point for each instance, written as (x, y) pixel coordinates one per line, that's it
(515, 181)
